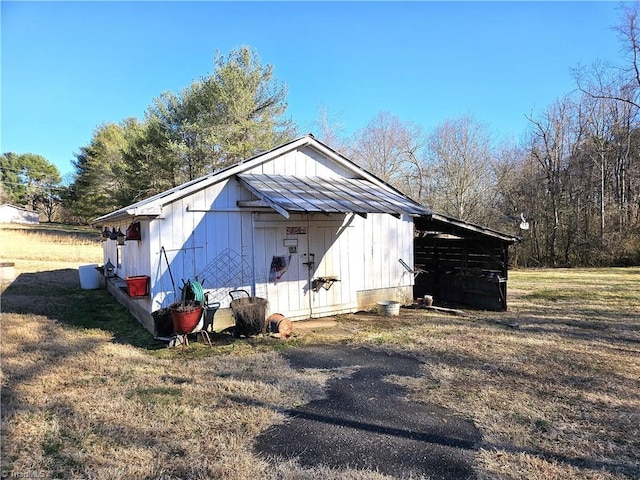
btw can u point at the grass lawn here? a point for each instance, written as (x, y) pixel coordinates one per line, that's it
(553, 384)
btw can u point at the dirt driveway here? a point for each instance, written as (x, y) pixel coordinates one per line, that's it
(365, 421)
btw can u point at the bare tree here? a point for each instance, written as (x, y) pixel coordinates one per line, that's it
(620, 85)
(600, 122)
(513, 199)
(461, 180)
(597, 80)
(555, 139)
(629, 35)
(330, 129)
(390, 148)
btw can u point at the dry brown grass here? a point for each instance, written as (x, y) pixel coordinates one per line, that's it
(42, 243)
(77, 405)
(557, 393)
(558, 397)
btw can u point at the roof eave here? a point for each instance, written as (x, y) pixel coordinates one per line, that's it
(128, 213)
(153, 206)
(476, 228)
(158, 201)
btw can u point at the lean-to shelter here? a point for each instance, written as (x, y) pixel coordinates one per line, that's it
(460, 262)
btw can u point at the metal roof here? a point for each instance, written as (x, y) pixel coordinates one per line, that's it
(286, 194)
(152, 206)
(437, 223)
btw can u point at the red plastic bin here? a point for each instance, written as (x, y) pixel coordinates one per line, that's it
(138, 286)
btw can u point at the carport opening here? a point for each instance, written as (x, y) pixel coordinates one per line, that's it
(461, 263)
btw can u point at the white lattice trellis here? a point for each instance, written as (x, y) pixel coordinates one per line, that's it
(228, 271)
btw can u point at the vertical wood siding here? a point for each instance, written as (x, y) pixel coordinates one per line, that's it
(205, 233)
(385, 241)
(303, 162)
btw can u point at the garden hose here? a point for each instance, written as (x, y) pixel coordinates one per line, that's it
(193, 291)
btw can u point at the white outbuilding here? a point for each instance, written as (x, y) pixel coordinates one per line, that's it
(14, 214)
(300, 225)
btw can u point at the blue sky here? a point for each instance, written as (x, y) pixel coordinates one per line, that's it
(67, 67)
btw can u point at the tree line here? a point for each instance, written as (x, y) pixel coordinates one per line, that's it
(573, 178)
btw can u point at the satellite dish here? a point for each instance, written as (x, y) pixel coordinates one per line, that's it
(524, 225)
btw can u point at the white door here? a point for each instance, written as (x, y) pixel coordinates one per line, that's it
(334, 258)
(291, 259)
(282, 270)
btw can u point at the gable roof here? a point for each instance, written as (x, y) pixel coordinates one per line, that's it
(10, 206)
(364, 202)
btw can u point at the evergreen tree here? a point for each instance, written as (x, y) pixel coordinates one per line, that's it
(28, 178)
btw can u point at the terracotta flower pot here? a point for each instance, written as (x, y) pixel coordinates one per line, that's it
(185, 316)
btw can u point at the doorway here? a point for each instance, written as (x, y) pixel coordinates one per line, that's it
(293, 255)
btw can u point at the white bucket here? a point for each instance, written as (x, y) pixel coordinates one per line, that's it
(89, 277)
(7, 272)
(388, 308)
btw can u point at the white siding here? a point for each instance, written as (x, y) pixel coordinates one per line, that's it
(386, 240)
(208, 238)
(303, 162)
(328, 239)
(13, 214)
(205, 236)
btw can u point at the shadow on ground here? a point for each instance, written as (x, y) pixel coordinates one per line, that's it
(56, 294)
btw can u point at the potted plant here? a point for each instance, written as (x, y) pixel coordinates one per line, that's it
(185, 315)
